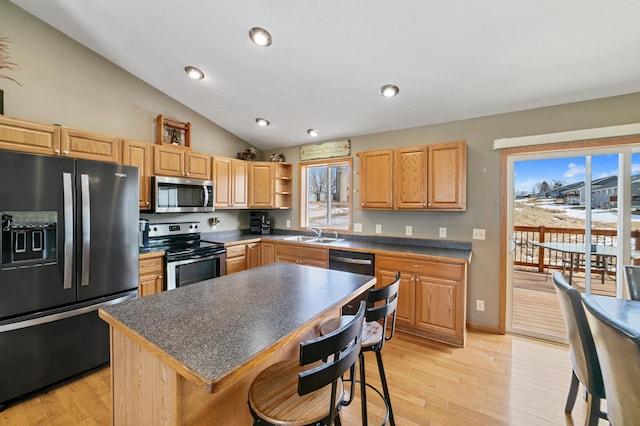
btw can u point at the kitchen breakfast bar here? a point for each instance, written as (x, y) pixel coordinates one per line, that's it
(188, 356)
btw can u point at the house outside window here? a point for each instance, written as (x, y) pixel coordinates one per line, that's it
(325, 194)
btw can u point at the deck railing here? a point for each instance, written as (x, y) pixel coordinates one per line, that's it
(530, 255)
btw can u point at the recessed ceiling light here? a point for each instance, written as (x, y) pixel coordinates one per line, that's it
(260, 36)
(389, 90)
(262, 122)
(313, 132)
(194, 73)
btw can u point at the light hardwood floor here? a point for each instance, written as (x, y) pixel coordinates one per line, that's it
(494, 380)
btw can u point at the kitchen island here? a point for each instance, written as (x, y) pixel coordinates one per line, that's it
(188, 356)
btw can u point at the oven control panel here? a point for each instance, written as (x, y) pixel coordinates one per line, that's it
(167, 229)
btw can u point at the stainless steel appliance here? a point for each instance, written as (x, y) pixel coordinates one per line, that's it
(182, 195)
(69, 233)
(188, 259)
(356, 262)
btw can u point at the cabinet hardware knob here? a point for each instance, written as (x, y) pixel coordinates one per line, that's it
(65, 152)
(57, 151)
(159, 276)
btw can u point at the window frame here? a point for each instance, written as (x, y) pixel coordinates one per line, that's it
(302, 190)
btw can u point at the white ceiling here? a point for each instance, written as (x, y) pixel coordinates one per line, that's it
(452, 59)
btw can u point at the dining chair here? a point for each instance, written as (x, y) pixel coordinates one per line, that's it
(632, 277)
(618, 349)
(381, 308)
(309, 390)
(584, 358)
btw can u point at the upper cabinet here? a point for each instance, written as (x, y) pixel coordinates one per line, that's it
(26, 136)
(230, 176)
(284, 186)
(181, 162)
(429, 177)
(139, 154)
(376, 179)
(262, 176)
(90, 146)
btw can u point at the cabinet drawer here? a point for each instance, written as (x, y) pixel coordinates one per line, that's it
(419, 266)
(298, 251)
(152, 266)
(235, 251)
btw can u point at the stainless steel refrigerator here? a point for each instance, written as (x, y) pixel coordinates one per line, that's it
(69, 246)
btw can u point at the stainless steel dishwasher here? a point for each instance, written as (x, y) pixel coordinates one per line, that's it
(356, 262)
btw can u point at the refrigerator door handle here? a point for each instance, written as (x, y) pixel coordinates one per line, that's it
(68, 230)
(86, 229)
(62, 315)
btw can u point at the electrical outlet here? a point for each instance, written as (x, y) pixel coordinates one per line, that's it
(288, 223)
(479, 234)
(480, 305)
(408, 230)
(378, 229)
(357, 227)
(443, 232)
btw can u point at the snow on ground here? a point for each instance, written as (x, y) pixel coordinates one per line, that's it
(597, 215)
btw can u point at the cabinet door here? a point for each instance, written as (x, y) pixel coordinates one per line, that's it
(253, 255)
(139, 154)
(198, 166)
(222, 179)
(411, 178)
(168, 161)
(268, 254)
(447, 176)
(239, 180)
(150, 284)
(151, 271)
(25, 136)
(405, 309)
(296, 253)
(440, 308)
(376, 179)
(261, 184)
(237, 264)
(90, 146)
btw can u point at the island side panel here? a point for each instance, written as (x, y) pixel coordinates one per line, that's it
(143, 387)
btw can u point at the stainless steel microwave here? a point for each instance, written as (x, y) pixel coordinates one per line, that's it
(182, 195)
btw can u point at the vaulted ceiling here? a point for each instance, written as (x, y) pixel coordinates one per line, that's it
(328, 59)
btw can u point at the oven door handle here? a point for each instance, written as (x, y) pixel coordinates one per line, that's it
(192, 259)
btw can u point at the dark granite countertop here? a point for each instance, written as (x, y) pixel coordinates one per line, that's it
(215, 326)
(440, 249)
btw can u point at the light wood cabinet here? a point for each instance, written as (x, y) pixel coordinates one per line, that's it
(268, 252)
(261, 184)
(254, 255)
(284, 186)
(139, 154)
(169, 160)
(429, 177)
(26, 136)
(236, 258)
(432, 296)
(231, 177)
(151, 267)
(302, 255)
(90, 146)
(376, 179)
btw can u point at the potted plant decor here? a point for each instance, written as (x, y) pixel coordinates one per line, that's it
(5, 65)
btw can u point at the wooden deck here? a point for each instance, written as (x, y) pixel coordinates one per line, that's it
(535, 303)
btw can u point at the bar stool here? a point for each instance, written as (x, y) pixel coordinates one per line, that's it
(381, 304)
(309, 391)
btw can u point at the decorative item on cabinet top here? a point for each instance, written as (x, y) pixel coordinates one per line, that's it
(325, 150)
(277, 158)
(249, 154)
(173, 132)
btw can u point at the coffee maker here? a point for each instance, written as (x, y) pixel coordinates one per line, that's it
(260, 223)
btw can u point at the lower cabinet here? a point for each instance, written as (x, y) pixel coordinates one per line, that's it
(151, 267)
(432, 296)
(254, 255)
(267, 252)
(296, 253)
(236, 258)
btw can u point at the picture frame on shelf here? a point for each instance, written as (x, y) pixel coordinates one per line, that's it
(173, 132)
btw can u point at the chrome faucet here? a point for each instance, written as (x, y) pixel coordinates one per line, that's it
(317, 231)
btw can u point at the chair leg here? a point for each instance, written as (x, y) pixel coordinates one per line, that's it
(363, 389)
(573, 393)
(385, 389)
(593, 410)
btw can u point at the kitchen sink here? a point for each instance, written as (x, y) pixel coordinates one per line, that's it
(299, 238)
(316, 240)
